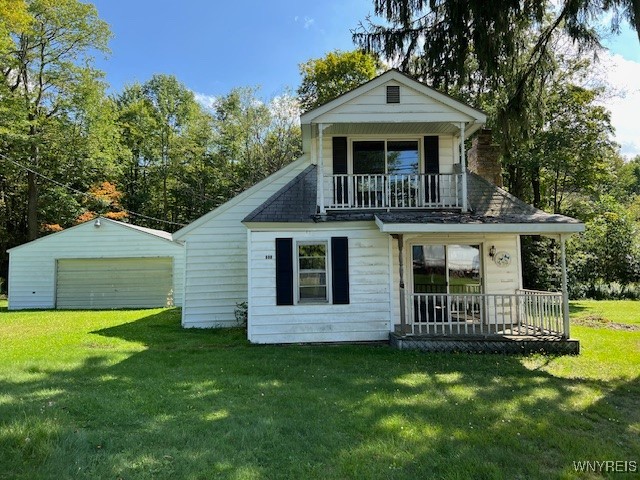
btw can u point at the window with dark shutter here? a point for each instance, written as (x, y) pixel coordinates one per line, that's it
(340, 270)
(284, 271)
(393, 94)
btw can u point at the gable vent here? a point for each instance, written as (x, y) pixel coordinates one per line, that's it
(393, 94)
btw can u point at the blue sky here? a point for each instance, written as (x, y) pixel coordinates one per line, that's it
(216, 45)
(213, 46)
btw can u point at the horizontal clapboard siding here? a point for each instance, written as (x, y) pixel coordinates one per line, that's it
(365, 318)
(32, 267)
(216, 258)
(413, 107)
(114, 283)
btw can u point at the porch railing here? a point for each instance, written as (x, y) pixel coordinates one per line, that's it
(525, 313)
(396, 191)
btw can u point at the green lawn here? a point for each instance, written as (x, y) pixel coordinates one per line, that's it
(128, 394)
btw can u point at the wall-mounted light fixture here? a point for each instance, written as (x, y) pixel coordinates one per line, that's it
(492, 251)
(97, 223)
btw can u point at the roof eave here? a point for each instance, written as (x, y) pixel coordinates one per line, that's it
(510, 228)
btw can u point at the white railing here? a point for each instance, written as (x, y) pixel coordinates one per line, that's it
(525, 313)
(397, 191)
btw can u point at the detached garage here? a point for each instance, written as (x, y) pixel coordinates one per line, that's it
(99, 264)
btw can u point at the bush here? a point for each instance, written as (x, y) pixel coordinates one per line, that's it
(605, 291)
(241, 313)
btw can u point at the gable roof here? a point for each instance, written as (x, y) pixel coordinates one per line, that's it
(147, 231)
(394, 75)
(295, 202)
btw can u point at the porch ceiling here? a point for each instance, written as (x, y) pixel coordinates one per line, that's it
(385, 129)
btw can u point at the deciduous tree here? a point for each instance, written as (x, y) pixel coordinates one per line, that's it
(325, 78)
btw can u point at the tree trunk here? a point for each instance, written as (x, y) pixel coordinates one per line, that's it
(32, 207)
(535, 185)
(32, 191)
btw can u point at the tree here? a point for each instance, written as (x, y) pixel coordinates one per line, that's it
(167, 133)
(46, 70)
(608, 249)
(572, 153)
(254, 139)
(442, 38)
(324, 79)
(14, 19)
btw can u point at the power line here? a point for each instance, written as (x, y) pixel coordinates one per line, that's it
(86, 194)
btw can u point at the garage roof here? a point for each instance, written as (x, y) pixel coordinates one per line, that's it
(148, 231)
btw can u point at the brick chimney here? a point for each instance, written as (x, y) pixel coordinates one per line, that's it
(483, 158)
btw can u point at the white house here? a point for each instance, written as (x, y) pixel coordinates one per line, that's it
(98, 264)
(380, 230)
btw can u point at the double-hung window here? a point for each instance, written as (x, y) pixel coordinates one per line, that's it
(312, 272)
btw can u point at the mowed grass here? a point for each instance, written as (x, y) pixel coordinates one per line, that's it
(129, 394)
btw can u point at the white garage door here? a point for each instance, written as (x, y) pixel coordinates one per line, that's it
(104, 283)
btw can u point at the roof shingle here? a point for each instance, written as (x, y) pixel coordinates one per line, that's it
(489, 204)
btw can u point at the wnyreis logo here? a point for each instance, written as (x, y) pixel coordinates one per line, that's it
(606, 466)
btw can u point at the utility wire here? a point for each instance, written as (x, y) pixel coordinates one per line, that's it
(86, 194)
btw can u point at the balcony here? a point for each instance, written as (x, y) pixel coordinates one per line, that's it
(379, 191)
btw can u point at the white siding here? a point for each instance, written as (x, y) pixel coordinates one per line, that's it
(413, 107)
(365, 318)
(32, 267)
(216, 257)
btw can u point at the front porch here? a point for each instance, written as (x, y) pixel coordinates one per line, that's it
(526, 313)
(525, 322)
(463, 293)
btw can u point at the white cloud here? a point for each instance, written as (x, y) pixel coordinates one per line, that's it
(307, 22)
(622, 76)
(207, 101)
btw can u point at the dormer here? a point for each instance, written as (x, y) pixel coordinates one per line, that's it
(390, 143)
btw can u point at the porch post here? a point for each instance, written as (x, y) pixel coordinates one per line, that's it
(565, 288)
(320, 173)
(463, 167)
(403, 318)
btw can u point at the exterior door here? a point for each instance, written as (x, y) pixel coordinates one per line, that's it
(445, 281)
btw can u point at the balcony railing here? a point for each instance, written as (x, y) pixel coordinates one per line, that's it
(525, 313)
(396, 191)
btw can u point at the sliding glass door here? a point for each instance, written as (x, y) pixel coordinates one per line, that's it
(446, 279)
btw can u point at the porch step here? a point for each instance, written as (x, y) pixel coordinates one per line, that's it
(524, 345)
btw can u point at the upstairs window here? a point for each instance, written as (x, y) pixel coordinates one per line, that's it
(393, 94)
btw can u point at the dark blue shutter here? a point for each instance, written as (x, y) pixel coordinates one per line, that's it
(340, 168)
(284, 271)
(432, 166)
(340, 270)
